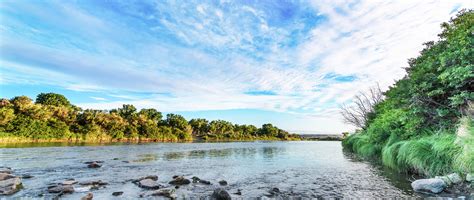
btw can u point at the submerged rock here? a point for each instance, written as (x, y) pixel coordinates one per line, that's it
(220, 194)
(117, 193)
(94, 165)
(26, 176)
(149, 184)
(89, 196)
(179, 180)
(239, 192)
(97, 161)
(61, 189)
(432, 185)
(9, 184)
(223, 182)
(69, 182)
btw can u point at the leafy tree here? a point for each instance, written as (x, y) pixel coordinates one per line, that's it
(151, 114)
(176, 121)
(200, 126)
(52, 99)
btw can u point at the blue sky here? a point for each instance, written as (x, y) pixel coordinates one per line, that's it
(290, 63)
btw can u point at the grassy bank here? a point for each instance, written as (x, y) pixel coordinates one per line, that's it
(425, 123)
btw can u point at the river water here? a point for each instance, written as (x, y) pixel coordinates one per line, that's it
(307, 169)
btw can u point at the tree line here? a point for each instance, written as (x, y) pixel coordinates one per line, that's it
(52, 116)
(424, 123)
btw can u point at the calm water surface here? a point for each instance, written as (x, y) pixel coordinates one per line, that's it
(298, 169)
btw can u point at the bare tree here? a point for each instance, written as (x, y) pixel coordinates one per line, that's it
(362, 106)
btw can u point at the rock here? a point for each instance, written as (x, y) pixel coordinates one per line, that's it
(61, 189)
(223, 182)
(69, 182)
(9, 184)
(165, 192)
(125, 161)
(180, 180)
(220, 194)
(115, 159)
(275, 190)
(432, 185)
(152, 177)
(89, 196)
(149, 184)
(470, 177)
(26, 176)
(117, 193)
(97, 161)
(6, 170)
(94, 165)
(239, 192)
(195, 179)
(97, 182)
(5, 176)
(198, 180)
(454, 178)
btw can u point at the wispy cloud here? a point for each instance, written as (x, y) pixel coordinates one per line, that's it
(279, 56)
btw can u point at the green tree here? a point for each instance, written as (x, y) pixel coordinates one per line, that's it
(52, 99)
(200, 126)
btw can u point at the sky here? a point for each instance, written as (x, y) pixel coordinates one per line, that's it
(289, 63)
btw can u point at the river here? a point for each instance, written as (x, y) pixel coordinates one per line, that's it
(308, 169)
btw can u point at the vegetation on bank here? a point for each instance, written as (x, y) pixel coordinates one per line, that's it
(53, 118)
(424, 124)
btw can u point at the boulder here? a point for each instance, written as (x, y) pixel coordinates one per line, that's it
(432, 185)
(6, 170)
(220, 194)
(89, 196)
(179, 180)
(198, 180)
(149, 184)
(117, 193)
(223, 182)
(61, 189)
(9, 184)
(470, 177)
(239, 192)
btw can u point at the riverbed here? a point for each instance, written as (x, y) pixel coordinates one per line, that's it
(308, 169)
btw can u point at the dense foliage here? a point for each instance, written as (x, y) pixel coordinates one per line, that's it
(425, 123)
(53, 117)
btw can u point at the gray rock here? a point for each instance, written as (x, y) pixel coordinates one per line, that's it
(61, 189)
(149, 184)
(432, 185)
(165, 192)
(152, 177)
(470, 177)
(26, 176)
(179, 180)
(69, 182)
(117, 193)
(5, 176)
(96, 161)
(6, 170)
(454, 178)
(220, 194)
(96, 182)
(223, 182)
(9, 184)
(89, 196)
